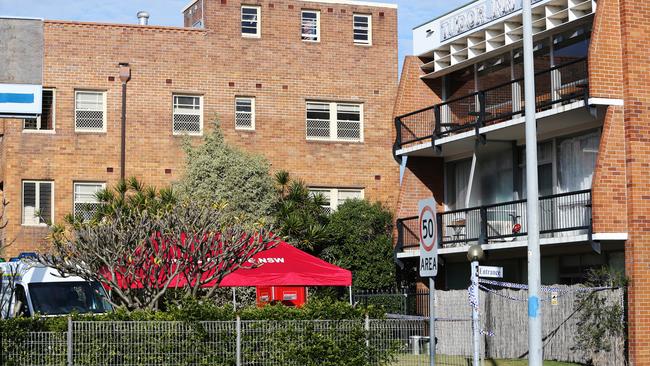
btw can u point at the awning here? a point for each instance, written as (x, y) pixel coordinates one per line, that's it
(285, 265)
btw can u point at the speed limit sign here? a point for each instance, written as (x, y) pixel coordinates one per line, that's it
(428, 228)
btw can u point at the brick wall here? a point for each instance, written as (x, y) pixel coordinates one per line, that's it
(278, 69)
(605, 50)
(609, 192)
(635, 28)
(422, 176)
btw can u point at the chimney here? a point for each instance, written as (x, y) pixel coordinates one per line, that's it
(143, 18)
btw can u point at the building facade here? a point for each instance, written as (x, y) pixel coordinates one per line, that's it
(308, 84)
(460, 137)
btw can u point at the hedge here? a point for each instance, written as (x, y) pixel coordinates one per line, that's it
(183, 335)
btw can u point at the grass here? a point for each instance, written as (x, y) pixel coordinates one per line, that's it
(443, 360)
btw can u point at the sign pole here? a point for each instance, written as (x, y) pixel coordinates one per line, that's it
(428, 229)
(476, 332)
(532, 192)
(432, 321)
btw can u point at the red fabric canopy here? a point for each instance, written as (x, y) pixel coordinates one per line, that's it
(285, 265)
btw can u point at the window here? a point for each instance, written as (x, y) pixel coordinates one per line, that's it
(334, 197)
(188, 114)
(334, 121)
(362, 29)
(44, 122)
(250, 21)
(90, 111)
(37, 202)
(85, 199)
(310, 25)
(245, 113)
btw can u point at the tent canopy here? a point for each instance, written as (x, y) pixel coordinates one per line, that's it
(285, 265)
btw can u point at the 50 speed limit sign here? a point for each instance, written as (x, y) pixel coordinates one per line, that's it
(428, 228)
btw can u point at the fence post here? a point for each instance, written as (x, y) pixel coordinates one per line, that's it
(238, 346)
(69, 342)
(367, 328)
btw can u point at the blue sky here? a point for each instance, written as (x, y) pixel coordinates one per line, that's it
(167, 12)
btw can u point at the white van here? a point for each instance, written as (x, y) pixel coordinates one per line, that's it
(27, 289)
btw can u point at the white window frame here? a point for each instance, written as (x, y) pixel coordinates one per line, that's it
(38, 119)
(333, 122)
(303, 35)
(37, 203)
(102, 186)
(334, 195)
(367, 42)
(90, 130)
(199, 113)
(252, 113)
(258, 24)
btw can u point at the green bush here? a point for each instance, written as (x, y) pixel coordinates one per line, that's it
(360, 234)
(178, 336)
(220, 173)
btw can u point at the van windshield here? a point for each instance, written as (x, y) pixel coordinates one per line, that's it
(57, 298)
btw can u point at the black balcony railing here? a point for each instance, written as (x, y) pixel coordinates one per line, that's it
(564, 214)
(558, 85)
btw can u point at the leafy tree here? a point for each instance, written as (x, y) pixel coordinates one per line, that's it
(143, 240)
(299, 215)
(601, 323)
(238, 181)
(360, 236)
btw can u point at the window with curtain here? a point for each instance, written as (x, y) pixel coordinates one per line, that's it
(576, 161)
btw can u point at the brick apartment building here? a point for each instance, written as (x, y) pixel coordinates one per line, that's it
(308, 84)
(460, 137)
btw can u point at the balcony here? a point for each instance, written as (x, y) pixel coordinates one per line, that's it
(562, 216)
(555, 87)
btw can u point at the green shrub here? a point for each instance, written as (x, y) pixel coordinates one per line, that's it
(222, 174)
(360, 234)
(178, 336)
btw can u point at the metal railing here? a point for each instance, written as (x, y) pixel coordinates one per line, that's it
(398, 342)
(560, 84)
(563, 214)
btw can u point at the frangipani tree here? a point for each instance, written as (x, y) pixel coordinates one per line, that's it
(143, 241)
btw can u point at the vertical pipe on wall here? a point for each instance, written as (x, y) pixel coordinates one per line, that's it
(125, 76)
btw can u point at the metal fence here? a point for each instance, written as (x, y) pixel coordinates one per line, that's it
(503, 322)
(396, 342)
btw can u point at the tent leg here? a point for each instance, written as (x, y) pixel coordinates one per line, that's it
(234, 299)
(350, 295)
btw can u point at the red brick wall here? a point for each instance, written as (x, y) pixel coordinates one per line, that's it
(280, 70)
(635, 28)
(605, 52)
(609, 192)
(413, 93)
(422, 176)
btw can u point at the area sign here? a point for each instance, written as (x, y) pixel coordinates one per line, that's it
(428, 229)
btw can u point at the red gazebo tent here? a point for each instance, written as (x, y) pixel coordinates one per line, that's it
(286, 265)
(288, 269)
(281, 266)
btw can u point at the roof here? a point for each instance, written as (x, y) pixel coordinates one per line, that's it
(342, 2)
(285, 265)
(34, 273)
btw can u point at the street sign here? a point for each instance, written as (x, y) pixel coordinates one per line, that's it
(490, 272)
(428, 229)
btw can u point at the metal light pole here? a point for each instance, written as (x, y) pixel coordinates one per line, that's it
(532, 191)
(475, 254)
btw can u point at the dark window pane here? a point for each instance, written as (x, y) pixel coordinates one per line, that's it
(45, 202)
